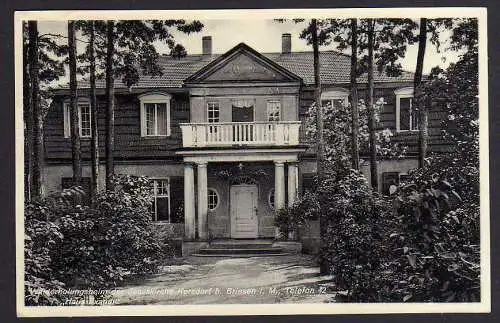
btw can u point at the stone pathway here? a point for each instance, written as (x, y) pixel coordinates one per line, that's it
(254, 280)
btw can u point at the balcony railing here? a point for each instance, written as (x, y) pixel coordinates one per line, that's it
(282, 133)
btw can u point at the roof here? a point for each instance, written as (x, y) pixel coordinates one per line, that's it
(335, 69)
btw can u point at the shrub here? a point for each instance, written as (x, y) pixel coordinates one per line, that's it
(289, 219)
(96, 246)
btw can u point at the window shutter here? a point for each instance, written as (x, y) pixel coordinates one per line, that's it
(177, 199)
(67, 121)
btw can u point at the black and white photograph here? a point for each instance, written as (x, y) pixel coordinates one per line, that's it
(263, 161)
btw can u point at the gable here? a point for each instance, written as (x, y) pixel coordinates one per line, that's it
(242, 64)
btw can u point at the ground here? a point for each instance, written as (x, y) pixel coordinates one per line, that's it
(218, 280)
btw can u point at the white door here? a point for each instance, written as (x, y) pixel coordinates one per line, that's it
(244, 222)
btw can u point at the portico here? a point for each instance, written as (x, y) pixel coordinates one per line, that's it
(196, 208)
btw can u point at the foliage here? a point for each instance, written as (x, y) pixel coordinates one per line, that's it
(289, 219)
(74, 246)
(338, 133)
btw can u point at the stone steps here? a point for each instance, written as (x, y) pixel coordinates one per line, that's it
(240, 248)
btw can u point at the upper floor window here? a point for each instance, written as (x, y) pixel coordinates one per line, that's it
(273, 110)
(335, 98)
(213, 112)
(155, 114)
(406, 115)
(84, 124)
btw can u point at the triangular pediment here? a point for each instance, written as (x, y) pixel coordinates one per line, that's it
(242, 64)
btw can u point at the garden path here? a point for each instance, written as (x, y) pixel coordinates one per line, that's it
(218, 280)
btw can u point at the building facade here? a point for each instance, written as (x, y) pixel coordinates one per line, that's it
(222, 138)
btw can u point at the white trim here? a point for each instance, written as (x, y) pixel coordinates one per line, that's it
(277, 100)
(155, 98)
(405, 92)
(155, 196)
(67, 117)
(336, 94)
(208, 200)
(213, 102)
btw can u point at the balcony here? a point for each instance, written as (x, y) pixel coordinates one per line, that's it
(283, 133)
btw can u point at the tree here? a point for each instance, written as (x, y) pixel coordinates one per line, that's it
(354, 94)
(94, 139)
(370, 34)
(37, 131)
(385, 41)
(110, 105)
(422, 108)
(46, 65)
(129, 50)
(75, 131)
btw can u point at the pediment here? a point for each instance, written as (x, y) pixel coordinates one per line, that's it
(242, 64)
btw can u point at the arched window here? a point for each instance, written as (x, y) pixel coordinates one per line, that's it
(335, 97)
(213, 199)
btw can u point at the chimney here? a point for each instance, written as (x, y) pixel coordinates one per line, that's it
(207, 45)
(286, 43)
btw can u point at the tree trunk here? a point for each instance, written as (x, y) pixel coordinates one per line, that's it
(371, 112)
(75, 133)
(37, 138)
(317, 98)
(354, 94)
(28, 118)
(94, 141)
(423, 134)
(110, 118)
(320, 155)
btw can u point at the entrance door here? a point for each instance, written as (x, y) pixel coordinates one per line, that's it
(244, 222)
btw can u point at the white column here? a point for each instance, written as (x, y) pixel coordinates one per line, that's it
(279, 185)
(202, 202)
(189, 212)
(292, 183)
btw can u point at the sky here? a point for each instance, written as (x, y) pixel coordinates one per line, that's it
(264, 35)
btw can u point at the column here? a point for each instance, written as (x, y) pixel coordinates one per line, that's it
(292, 183)
(189, 212)
(202, 201)
(279, 185)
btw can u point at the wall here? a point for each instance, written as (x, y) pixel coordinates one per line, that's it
(387, 165)
(219, 219)
(52, 174)
(128, 140)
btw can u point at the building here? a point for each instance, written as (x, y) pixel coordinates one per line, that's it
(221, 136)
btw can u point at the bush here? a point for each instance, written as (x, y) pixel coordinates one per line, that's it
(74, 246)
(289, 219)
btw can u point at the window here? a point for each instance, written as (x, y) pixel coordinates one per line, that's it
(392, 179)
(270, 198)
(335, 98)
(273, 110)
(406, 115)
(213, 199)
(213, 112)
(84, 123)
(160, 208)
(155, 114)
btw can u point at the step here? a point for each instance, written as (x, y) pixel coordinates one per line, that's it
(230, 245)
(243, 255)
(225, 251)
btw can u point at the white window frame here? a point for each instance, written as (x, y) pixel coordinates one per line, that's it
(155, 196)
(210, 189)
(406, 92)
(213, 104)
(335, 94)
(155, 98)
(67, 118)
(269, 106)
